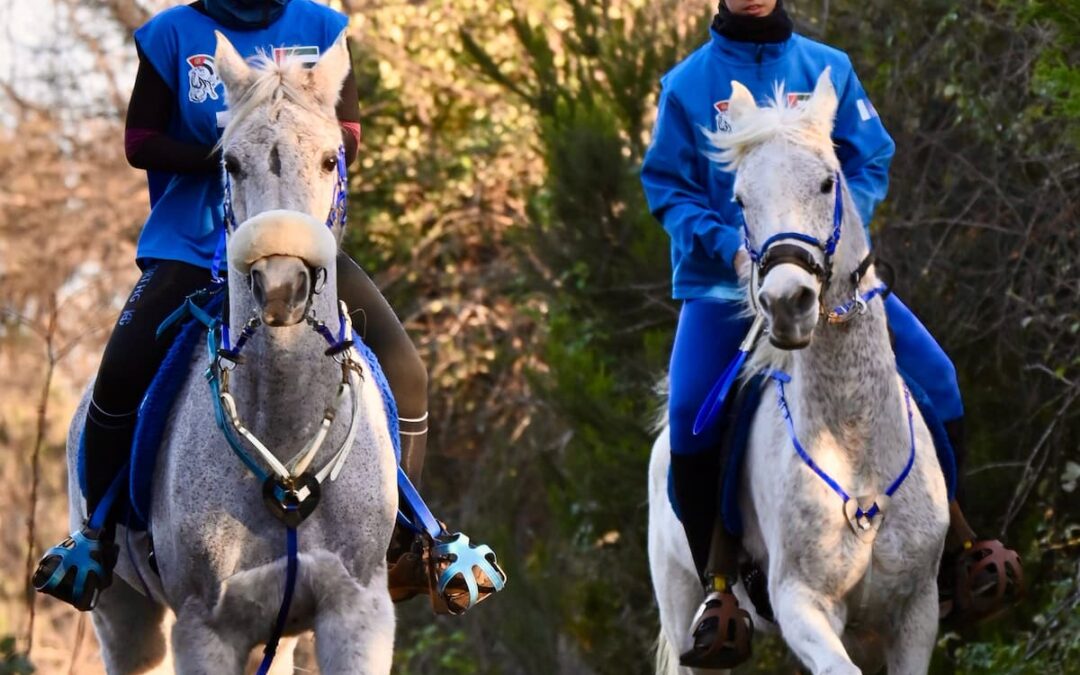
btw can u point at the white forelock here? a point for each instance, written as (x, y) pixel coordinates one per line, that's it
(777, 119)
(281, 232)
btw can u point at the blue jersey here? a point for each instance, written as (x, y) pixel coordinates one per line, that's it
(185, 220)
(692, 196)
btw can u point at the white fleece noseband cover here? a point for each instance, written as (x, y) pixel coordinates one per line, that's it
(281, 232)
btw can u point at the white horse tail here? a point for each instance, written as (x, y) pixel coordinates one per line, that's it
(667, 662)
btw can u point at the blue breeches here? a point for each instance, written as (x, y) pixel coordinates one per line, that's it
(708, 337)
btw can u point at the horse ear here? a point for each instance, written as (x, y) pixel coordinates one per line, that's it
(741, 105)
(233, 70)
(324, 80)
(823, 103)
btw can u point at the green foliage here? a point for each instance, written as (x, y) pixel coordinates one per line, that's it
(1052, 646)
(602, 269)
(1056, 77)
(431, 650)
(13, 662)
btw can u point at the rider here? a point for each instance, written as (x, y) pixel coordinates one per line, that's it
(752, 42)
(174, 120)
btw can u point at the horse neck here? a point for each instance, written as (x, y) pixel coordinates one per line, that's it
(846, 378)
(286, 381)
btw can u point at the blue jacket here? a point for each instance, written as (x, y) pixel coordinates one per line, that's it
(692, 196)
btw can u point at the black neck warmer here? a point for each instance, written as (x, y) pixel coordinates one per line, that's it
(245, 14)
(775, 27)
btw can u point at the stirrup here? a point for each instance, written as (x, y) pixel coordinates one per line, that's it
(462, 574)
(721, 635)
(77, 569)
(989, 578)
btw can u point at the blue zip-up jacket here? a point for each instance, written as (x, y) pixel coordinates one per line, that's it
(692, 196)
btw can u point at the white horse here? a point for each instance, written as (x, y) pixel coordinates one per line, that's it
(833, 576)
(220, 552)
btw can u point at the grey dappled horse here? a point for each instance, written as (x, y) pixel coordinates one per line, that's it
(834, 580)
(220, 552)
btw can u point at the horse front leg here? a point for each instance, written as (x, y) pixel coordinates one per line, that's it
(199, 649)
(915, 633)
(129, 628)
(811, 625)
(354, 627)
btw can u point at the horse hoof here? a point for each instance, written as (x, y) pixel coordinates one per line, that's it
(722, 634)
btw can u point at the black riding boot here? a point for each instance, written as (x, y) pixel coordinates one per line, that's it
(696, 482)
(721, 632)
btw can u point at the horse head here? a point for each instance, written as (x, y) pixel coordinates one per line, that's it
(791, 192)
(284, 171)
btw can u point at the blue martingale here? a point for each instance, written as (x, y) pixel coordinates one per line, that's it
(734, 452)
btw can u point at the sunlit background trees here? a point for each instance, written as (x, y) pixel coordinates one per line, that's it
(497, 204)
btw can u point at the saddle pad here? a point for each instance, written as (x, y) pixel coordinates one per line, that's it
(735, 438)
(161, 395)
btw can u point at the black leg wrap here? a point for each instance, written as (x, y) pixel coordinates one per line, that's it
(696, 480)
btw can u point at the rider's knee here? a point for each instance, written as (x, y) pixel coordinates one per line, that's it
(408, 378)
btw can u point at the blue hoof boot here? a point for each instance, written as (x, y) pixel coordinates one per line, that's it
(463, 574)
(78, 568)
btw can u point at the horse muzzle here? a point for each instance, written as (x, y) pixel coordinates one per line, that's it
(789, 300)
(278, 250)
(281, 287)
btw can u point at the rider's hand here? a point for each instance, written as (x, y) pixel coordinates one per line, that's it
(742, 263)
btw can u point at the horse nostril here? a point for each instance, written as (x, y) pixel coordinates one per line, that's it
(258, 288)
(804, 301)
(303, 282)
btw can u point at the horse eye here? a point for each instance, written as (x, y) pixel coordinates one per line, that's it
(827, 185)
(330, 163)
(232, 165)
(739, 201)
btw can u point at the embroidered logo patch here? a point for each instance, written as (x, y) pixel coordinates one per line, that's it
(796, 99)
(723, 123)
(202, 78)
(308, 56)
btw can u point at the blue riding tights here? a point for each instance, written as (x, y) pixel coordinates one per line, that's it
(707, 339)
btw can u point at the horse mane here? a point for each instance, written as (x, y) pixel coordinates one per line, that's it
(274, 84)
(774, 120)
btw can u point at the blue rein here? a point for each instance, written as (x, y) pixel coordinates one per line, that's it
(782, 378)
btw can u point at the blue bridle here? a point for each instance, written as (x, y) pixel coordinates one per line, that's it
(770, 255)
(336, 217)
